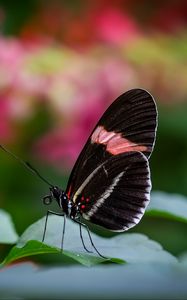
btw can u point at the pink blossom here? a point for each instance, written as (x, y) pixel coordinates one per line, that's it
(115, 27)
(11, 56)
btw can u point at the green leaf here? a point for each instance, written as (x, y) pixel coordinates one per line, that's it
(34, 247)
(122, 248)
(8, 233)
(170, 206)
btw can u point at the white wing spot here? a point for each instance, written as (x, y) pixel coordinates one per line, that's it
(106, 172)
(104, 196)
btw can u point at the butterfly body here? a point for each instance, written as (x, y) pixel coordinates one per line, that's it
(67, 206)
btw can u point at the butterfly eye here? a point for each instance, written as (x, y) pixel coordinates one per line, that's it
(47, 200)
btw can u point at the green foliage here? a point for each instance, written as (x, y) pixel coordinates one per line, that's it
(133, 247)
(135, 259)
(169, 159)
(137, 265)
(15, 18)
(8, 233)
(35, 248)
(147, 264)
(170, 206)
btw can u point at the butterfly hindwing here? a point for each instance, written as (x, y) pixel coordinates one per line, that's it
(116, 194)
(128, 125)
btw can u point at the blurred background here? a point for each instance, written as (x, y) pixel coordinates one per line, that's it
(61, 64)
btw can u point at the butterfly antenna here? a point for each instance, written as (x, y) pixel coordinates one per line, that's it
(27, 165)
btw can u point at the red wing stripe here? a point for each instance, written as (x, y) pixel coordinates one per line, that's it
(69, 192)
(115, 143)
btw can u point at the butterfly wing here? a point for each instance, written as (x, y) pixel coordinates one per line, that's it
(129, 124)
(117, 193)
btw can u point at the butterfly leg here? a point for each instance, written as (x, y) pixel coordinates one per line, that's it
(91, 241)
(63, 232)
(64, 225)
(82, 240)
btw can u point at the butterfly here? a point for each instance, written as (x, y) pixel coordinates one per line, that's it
(110, 182)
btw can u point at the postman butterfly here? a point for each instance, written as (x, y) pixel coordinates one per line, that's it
(110, 182)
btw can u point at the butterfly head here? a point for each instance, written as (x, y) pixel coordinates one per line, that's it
(60, 196)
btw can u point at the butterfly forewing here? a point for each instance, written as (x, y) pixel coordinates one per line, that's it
(128, 125)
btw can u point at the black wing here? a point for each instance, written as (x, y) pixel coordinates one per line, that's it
(129, 124)
(116, 194)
